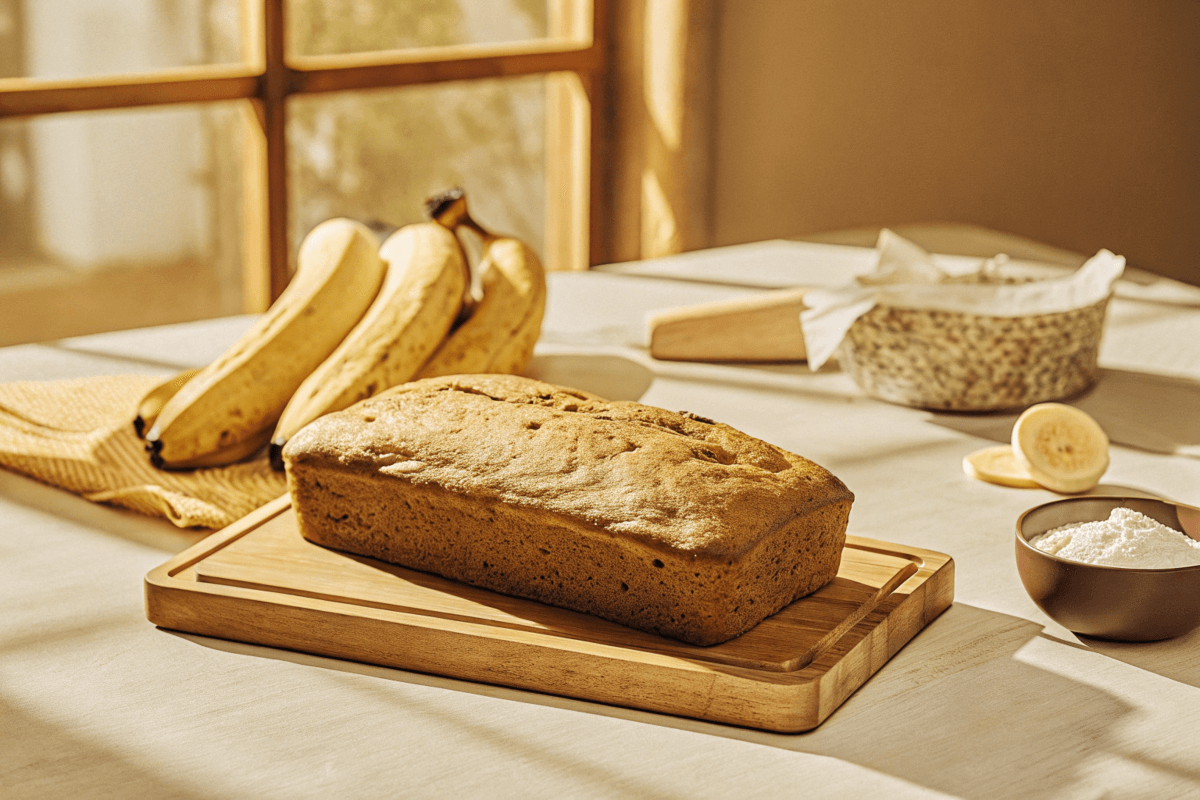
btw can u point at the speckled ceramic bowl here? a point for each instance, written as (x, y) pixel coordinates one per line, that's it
(1129, 605)
(968, 362)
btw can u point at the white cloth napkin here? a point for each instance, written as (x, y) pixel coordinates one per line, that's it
(907, 277)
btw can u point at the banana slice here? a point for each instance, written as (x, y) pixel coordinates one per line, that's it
(998, 465)
(1063, 448)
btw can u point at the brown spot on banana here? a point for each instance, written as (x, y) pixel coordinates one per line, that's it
(242, 450)
(419, 301)
(244, 391)
(513, 283)
(449, 209)
(514, 355)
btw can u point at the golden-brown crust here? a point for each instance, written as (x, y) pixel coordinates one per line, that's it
(607, 495)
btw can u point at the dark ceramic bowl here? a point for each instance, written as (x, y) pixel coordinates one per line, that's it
(1128, 605)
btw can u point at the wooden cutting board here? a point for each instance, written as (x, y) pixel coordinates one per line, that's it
(259, 581)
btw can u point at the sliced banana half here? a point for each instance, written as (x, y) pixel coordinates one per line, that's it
(1064, 449)
(998, 465)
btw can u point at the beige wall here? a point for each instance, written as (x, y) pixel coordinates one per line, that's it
(1074, 122)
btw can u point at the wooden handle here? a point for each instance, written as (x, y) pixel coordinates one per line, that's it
(764, 327)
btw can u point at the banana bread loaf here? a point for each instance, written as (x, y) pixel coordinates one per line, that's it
(662, 521)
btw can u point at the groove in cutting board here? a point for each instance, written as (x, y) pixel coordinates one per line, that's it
(260, 581)
(274, 557)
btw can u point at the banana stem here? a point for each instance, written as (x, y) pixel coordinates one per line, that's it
(468, 223)
(449, 209)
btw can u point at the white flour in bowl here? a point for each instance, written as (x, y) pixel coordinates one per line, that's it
(1126, 539)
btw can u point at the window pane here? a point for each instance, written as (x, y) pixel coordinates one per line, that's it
(325, 27)
(113, 220)
(80, 38)
(376, 156)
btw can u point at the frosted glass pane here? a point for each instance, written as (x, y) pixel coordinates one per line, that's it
(119, 219)
(375, 156)
(80, 38)
(322, 27)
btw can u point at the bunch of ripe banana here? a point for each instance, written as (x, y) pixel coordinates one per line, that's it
(353, 322)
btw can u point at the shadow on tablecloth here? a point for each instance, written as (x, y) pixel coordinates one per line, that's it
(954, 711)
(1158, 413)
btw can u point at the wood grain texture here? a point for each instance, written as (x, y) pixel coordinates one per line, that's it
(258, 581)
(298, 75)
(341, 72)
(28, 96)
(273, 94)
(764, 327)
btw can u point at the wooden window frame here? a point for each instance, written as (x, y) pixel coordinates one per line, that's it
(573, 59)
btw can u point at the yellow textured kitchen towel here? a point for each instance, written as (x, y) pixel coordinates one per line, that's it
(78, 435)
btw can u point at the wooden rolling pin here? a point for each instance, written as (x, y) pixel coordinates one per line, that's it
(764, 327)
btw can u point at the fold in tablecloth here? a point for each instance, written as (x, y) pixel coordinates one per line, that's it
(78, 435)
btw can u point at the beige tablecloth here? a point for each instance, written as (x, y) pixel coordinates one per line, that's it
(991, 700)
